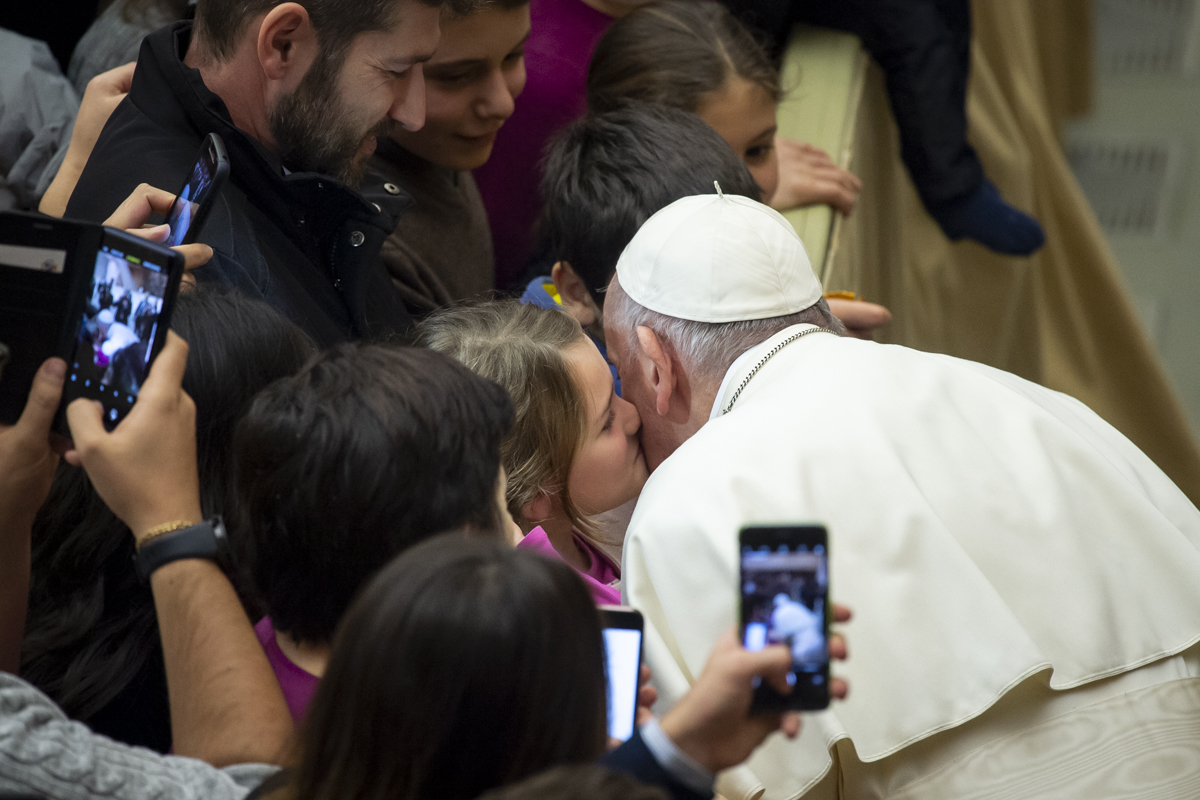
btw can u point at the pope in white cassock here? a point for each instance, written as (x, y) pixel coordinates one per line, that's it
(1025, 582)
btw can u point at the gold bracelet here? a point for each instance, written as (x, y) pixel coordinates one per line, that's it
(160, 530)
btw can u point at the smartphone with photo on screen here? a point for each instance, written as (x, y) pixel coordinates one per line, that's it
(193, 202)
(623, 666)
(785, 600)
(122, 322)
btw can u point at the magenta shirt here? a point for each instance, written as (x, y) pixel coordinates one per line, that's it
(298, 686)
(599, 577)
(563, 36)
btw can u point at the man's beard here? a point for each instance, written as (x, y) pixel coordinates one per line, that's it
(315, 132)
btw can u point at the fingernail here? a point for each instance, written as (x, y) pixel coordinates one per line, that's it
(157, 230)
(55, 368)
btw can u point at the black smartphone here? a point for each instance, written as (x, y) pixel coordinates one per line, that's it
(785, 600)
(121, 323)
(623, 666)
(195, 199)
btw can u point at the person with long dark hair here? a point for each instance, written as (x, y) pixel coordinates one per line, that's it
(91, 640)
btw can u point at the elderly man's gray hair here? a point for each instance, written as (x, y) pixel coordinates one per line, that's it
(706, 348)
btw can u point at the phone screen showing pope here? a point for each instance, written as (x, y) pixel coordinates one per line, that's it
(784, 593)
(123, 325)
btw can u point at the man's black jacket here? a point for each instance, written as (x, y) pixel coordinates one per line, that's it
(304, 243)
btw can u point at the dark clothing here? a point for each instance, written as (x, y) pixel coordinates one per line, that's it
(924, 48)
(634, 758)
(140, 714)
(302, 242)
(441, 252)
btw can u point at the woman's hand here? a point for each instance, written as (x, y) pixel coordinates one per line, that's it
(861, 318)
(132, 214)
(27, 463)
(27, 459)
(145, 470)
(647, 697)
(808, 177)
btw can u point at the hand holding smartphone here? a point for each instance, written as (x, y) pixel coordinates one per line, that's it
(97, 297)
(195, 199)
(785, 600)
(123, 323)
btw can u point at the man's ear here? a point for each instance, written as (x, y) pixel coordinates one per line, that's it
(576, 299)
(538, 509)
(656, 366)
(287, 43)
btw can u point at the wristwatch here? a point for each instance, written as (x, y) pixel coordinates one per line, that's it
(204, 540)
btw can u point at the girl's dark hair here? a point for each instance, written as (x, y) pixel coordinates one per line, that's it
(465, 665)
(367, 451)
(91, 627)
(673, 53)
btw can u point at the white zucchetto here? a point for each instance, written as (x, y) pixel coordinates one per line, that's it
(718, 258)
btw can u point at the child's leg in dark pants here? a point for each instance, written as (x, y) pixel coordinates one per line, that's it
(924, 48)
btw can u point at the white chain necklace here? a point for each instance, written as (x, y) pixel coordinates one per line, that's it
(767, 358)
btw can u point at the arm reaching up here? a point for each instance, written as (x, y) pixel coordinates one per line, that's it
(226, 706)
(104, 92)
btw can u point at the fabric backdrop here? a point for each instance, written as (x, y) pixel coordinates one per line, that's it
(1062, 317)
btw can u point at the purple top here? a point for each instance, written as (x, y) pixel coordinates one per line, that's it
(599, 577)
(557, 55)
(298, 685)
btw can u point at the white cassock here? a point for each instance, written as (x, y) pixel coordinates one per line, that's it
(1025, 581)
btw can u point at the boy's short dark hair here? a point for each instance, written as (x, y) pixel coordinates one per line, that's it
(608, 173)
(367, 451)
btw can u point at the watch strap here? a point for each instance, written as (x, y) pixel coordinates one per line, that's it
(203, 540)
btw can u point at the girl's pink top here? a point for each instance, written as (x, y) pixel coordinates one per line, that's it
(298, 686)
(563, 35)
(601, 577)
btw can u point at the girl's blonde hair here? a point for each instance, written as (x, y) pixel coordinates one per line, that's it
(521, 348)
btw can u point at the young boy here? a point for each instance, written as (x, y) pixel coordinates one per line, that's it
(368, 451)
(441, 251)
(608, 173)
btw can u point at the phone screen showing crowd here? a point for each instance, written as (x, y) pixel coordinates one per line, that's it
(117, 331)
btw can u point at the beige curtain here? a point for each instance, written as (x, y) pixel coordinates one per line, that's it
(1062, 317)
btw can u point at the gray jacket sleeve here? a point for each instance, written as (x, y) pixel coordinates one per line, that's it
(44, 753)
(37, 110)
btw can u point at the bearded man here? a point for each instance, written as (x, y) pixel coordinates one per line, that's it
(298, 91)
(1026, 583)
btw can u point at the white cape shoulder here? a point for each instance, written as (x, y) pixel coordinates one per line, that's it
(984, 529)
